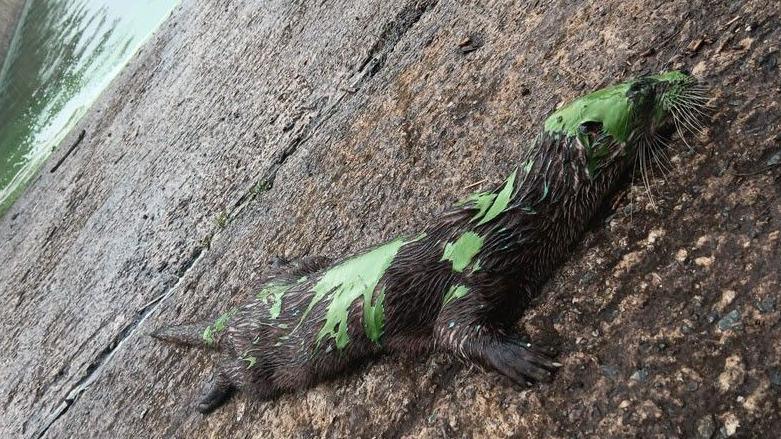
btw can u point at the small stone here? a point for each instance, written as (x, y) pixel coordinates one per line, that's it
(730, 321)
(694, 45)
(706, 426)
(733, 375)
(766, 305)
(624, 404)
(470, 44)
(731, 424)
(640, 375)
(681, 255)
(609, 371)
(774, 160)
(775, 376)
(654, 235)
(727, 296)
(704, 261)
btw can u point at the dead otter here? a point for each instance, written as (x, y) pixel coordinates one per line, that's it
(462, 283)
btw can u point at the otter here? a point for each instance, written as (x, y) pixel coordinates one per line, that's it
(461, 284)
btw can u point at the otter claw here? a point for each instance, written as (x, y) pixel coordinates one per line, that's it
(521, 364)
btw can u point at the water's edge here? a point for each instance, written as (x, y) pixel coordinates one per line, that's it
(60, 57)
(10, 14)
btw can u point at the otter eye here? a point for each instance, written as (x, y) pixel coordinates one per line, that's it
(591, 128)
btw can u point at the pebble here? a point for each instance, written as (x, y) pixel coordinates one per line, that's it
(730, 321)
(731, 424)
(774, 159)
(706, 426)
(654, 235)
(775, 376)
(727, 297)
(609, 371)
(766, 305)
(640, 375)
(733, 375)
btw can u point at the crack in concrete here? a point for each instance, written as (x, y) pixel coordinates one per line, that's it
(104, 357)
(375, 60)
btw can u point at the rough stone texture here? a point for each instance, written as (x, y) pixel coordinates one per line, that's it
(247, 130)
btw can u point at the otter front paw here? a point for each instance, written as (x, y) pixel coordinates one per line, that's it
(519, 362)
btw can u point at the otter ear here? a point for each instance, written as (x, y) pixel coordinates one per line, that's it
(590, 128)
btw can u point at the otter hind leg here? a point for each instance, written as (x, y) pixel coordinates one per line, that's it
(216, 393)
(495, 350)
(252, 378)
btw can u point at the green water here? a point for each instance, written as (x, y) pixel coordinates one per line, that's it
(63, 54)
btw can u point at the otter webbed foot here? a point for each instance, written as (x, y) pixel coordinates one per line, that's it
(519, 362)
(216, 394)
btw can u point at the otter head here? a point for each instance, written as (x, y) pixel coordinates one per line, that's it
(631, 122)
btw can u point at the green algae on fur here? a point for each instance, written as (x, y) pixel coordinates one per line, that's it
(455, 292)
(608, 106)
(618, 111)
(354, 278)
(218, 326)
(275, 292)
(461, 251)
(251, 360)
(491, 204)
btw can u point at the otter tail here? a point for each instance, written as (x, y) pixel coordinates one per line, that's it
(186, 335)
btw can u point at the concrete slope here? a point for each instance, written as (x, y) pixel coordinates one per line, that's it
(10, 13)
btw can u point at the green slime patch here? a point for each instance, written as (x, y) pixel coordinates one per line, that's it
(609, 106)
(455, 292)
(352, 279)
(218, 326)
(461, 252)
(491, 204)
(275, 292)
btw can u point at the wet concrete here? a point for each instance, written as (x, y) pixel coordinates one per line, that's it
(243, 132)
(10, 13)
